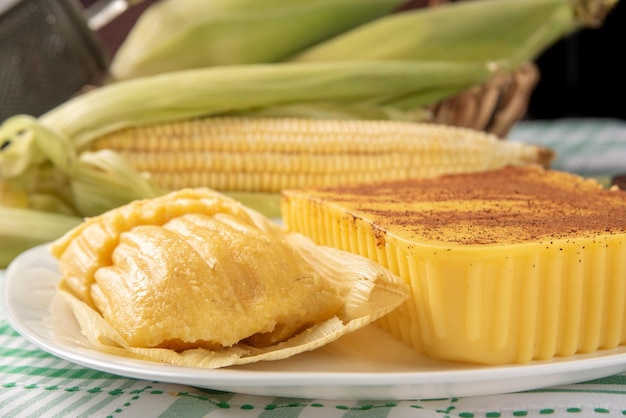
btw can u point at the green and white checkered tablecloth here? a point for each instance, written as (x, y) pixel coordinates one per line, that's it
(34, 383)
(589, 147)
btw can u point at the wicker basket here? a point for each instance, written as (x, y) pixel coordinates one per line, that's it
(492, 107)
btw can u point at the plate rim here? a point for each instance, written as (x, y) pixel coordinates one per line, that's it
(281, 383)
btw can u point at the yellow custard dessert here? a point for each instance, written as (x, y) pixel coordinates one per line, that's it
(505, 266)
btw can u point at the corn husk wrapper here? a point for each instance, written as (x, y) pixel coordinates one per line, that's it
(370, 290)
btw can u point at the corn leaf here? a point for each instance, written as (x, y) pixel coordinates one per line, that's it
(229, 89)
(21, 229)
(182, 34)
(506, 33)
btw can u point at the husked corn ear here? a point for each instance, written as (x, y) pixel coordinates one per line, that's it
(271, 154)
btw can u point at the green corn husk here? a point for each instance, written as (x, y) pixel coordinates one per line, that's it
(181, 34)
(43, 170)
(235, 89)
(503, 33)
(506, 32)
(21, 229)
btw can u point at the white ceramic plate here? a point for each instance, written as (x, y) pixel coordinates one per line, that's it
(368, 364)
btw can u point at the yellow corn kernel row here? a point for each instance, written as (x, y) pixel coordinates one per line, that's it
(271, 154)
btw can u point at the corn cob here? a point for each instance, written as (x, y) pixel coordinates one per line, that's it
(268, 155)
(45, 154)
(181, 34)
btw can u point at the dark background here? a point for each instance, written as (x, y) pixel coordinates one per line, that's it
(584, 75)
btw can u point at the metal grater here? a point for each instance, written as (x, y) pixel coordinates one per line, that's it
(48, 52)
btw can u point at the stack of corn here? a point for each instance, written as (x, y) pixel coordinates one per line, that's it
(253, 119)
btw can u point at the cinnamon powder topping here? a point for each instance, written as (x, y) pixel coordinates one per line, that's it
(509, 205)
